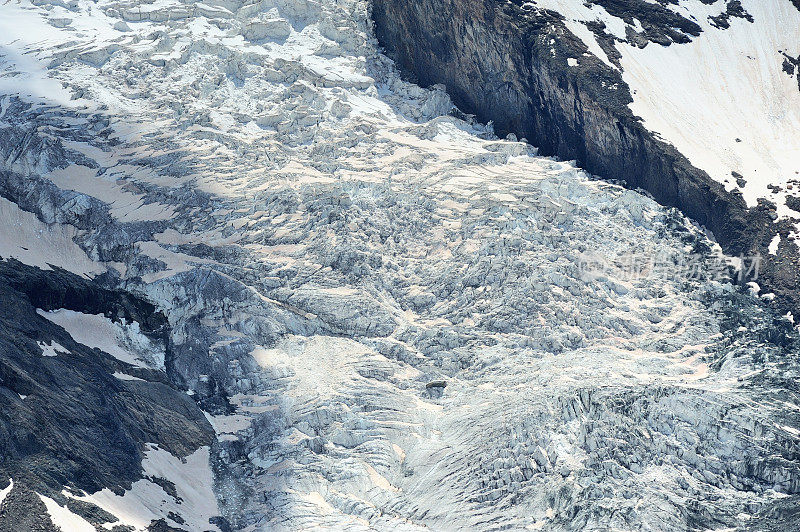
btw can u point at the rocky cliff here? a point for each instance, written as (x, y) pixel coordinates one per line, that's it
(73, 414)
(521, 67)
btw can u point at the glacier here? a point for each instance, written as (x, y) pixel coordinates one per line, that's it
(383, 309)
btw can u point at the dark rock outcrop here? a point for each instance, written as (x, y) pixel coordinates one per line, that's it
(734, 9)
(507, 63)
(66, 420)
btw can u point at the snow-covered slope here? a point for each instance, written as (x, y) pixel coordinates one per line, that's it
(392, 319)
(728, 99)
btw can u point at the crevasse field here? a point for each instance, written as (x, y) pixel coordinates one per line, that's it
(396, 302)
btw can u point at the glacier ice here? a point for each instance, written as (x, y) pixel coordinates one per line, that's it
(381, 306)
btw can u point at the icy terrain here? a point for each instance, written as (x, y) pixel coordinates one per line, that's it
(383, 309)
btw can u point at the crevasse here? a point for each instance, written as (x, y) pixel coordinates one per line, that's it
(385, 310)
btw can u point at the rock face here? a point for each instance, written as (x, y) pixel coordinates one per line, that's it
(76, 416)
(519, 66)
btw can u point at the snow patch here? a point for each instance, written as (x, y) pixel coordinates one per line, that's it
(175, 262)
(25, 238)
(228, 425)
(126, 377)
(577, 13)
(23, 31)
(124, 342)
(317, 364)
(773, 246)
(5, 491)
(63, 518)
(147, 501)
(52, 349)
(125, 206)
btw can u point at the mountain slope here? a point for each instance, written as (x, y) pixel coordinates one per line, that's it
(391, 319)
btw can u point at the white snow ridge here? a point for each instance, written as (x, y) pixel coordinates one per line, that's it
(393, 303)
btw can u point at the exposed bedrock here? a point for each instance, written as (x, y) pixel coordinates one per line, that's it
(507, 64)
(67, 419)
